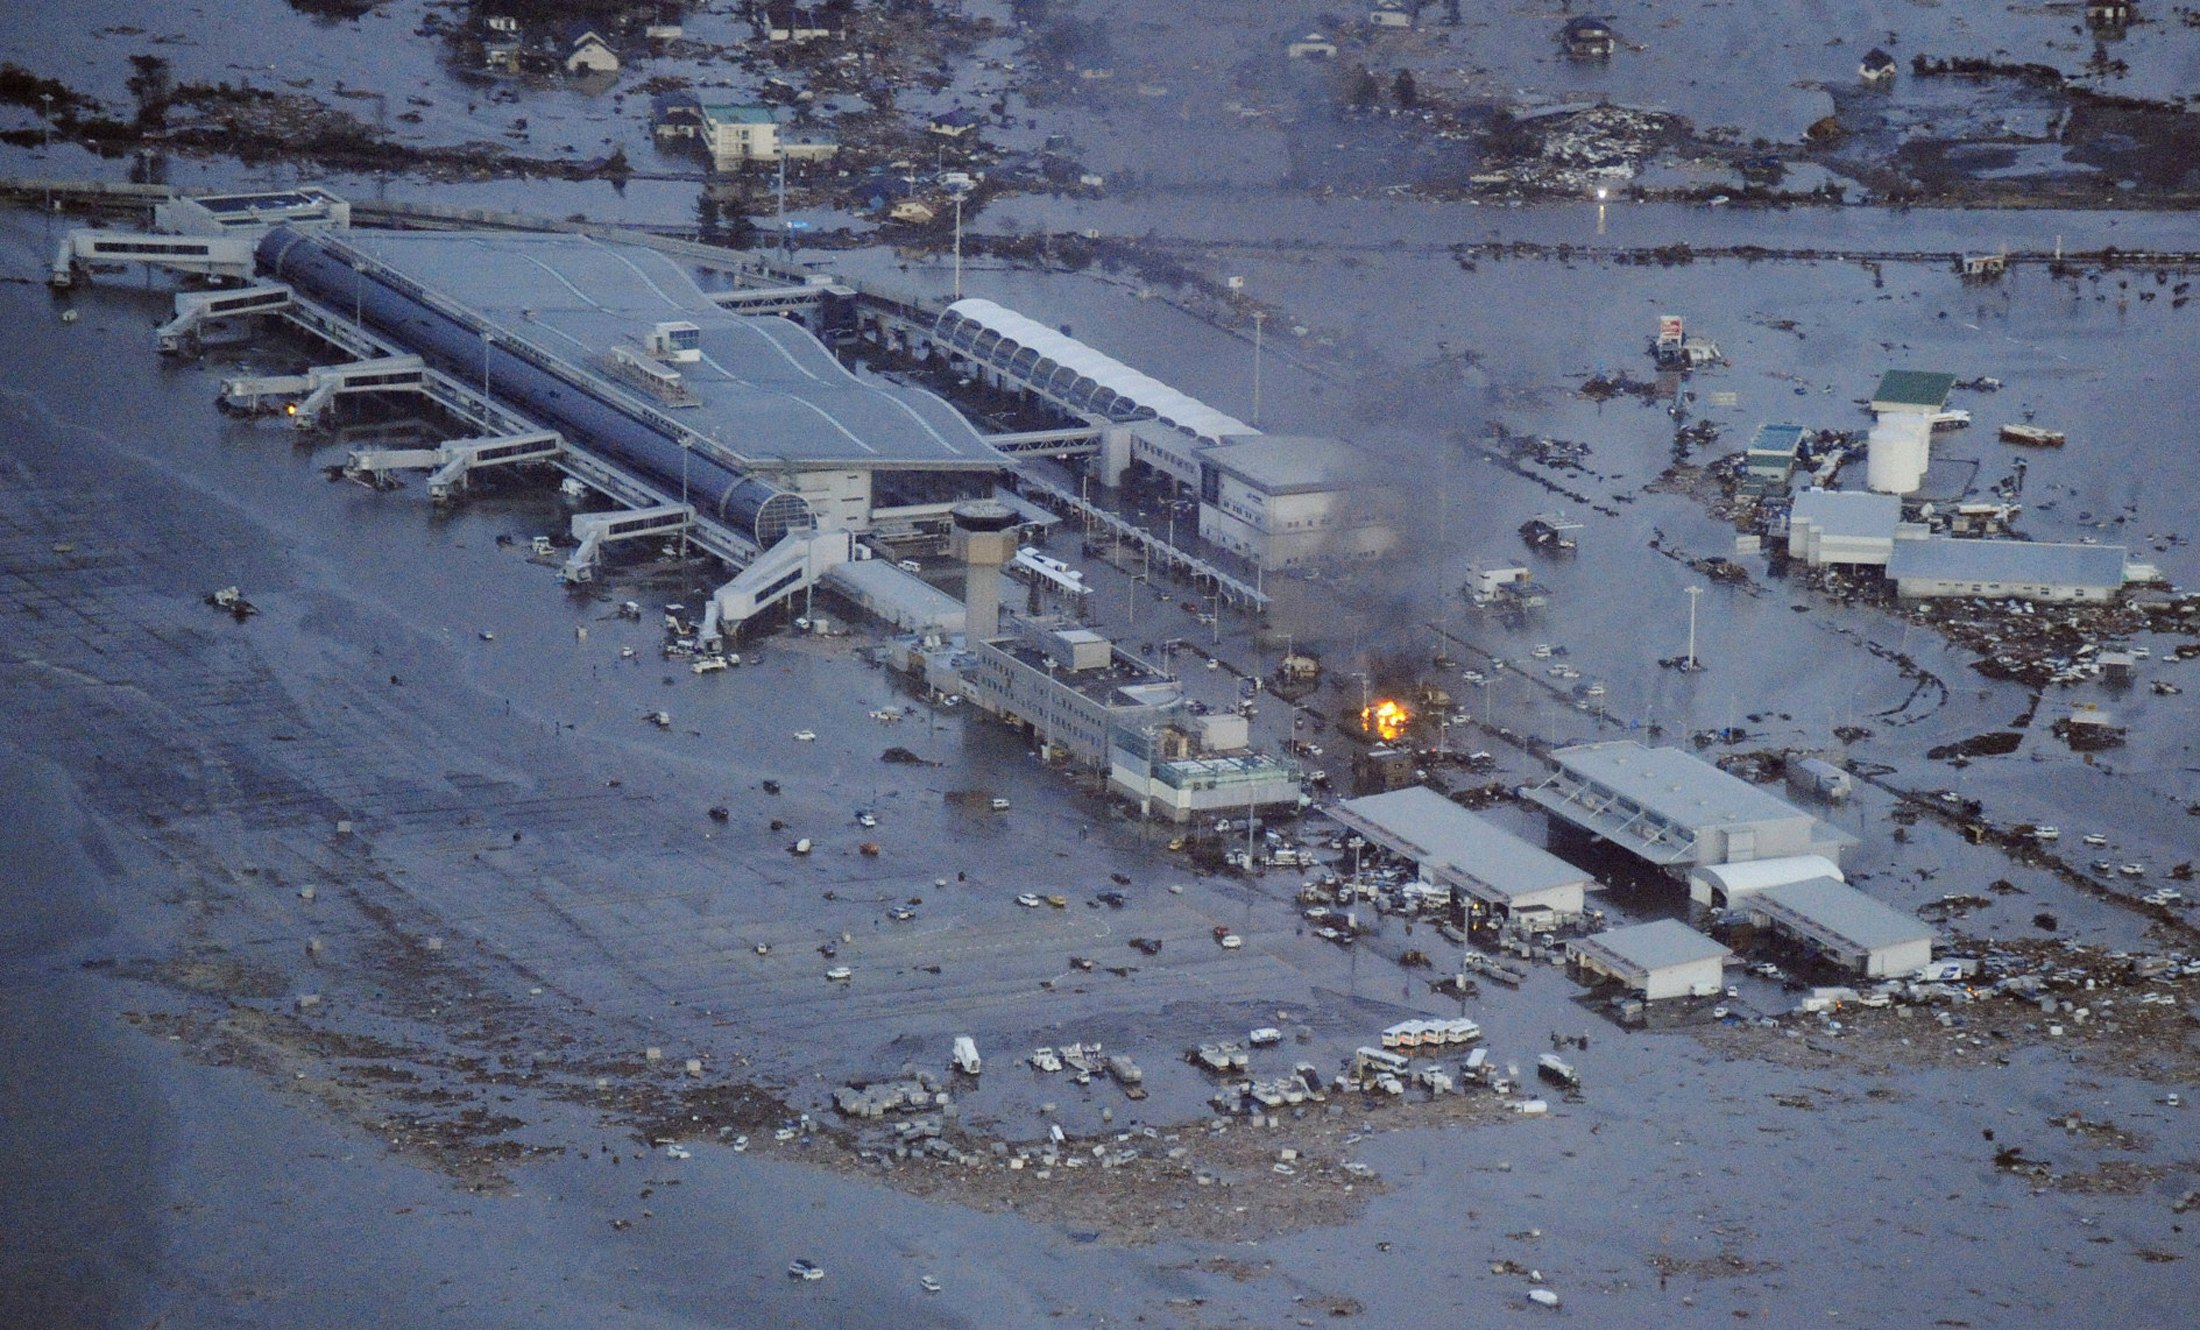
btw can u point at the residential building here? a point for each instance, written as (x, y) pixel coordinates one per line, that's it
(586, 52)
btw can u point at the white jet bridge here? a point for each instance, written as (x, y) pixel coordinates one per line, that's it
(210, 256)
(319, 386)
(451, 462)
(194, 308)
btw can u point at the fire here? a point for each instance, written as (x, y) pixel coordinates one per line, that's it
(1385, 719)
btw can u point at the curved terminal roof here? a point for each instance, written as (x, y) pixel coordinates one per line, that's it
(1070, 372)
(768, 391)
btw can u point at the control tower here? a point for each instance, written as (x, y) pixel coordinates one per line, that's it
(984, 538)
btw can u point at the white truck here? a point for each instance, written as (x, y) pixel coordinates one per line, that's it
(966, 1056)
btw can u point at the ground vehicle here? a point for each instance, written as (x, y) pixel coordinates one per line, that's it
(966, 1056)
(805, 1269)
(1027, 900)
(805, 736)
(999, 805)
(839, 974)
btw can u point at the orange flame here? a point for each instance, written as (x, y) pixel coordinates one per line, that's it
(1385, 718)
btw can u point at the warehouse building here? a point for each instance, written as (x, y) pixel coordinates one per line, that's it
(2027, 570)
(1853, 527)
(1770, 459)
(1495, 871)
(1726, 886)
(1913, 392)
(1661, 959)
(1829, 918)
(1675, 810)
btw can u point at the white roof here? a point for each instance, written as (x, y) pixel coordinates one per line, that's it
(1440, 835)
(1643, 949)
(1857, 513)
(1178, 409)
(1678, 786)
(2023, 561)
(1839, 916)
(1738, 880)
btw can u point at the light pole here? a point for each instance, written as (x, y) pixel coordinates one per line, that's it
(959, 244)
(687, 446)
(1260, 316)
(1135, 583)
(488, 339)
(45, 147)
(1214, 615)
(1694, 594)
(1600, 209)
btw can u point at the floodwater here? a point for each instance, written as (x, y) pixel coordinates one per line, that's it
(177, 778)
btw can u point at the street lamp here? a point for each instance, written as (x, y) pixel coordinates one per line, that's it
(1260, 316)
(959, 243)
(488, 339)
(1694, 594)
(687, 445)
(1135, 584)
(1601, 192)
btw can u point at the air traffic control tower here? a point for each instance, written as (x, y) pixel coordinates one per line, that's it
(984, 538)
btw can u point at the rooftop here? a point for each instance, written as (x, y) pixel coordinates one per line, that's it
(1419, 822)
(1124, 682)
(1835, 913)
(1780, 439)
(1677, 786)
(1287, 463)
(2022, 561)
(1660, 944)
(1914, 389)
(1848, 512)
(739, 113)
(769, 392)
(1112, 376)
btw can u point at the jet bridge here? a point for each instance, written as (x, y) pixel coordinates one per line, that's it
(795, 563)
(453, 461)
(211, 256)
(595, 530)
(197, 307)
(319, 386)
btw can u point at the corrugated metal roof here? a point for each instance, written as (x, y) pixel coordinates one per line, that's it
(1179, 409)
(1677, 786)
(2021, 561)
(1925, 390)
(1854, 513)
(1660, 944)
(1837, 914)
(1432, 830)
